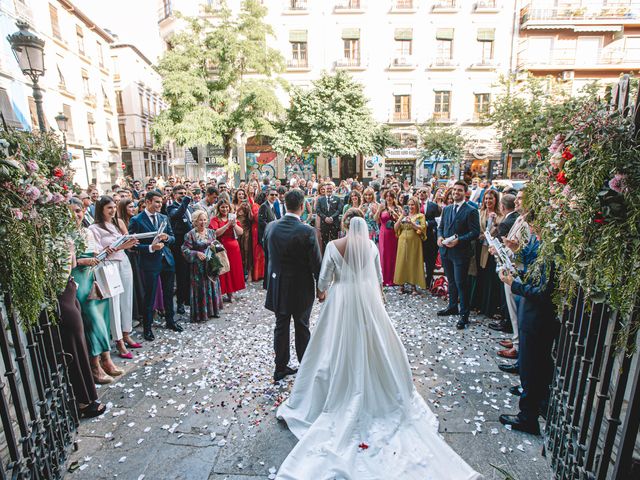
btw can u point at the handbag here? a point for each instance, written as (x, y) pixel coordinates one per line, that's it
(108, 278)
(95, 293)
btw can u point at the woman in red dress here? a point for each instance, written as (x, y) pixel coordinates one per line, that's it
(227, 231)
(257, 271)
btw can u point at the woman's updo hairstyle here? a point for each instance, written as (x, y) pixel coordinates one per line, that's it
(349, 214)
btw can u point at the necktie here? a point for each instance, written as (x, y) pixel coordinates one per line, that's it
(455, 210)
(154, 221)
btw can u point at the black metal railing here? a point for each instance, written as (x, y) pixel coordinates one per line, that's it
(37, 406)
(593, 417)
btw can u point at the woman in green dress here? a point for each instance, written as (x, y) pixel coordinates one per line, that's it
(95, 313)
(411, 230)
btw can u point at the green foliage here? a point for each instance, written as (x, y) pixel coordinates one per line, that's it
(36, 226)
(331, 119)
(442, 142)
(219, 78)
(383, 138)
(586, 198)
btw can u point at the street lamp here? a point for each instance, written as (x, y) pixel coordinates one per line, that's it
(29, 52)
(61, 120)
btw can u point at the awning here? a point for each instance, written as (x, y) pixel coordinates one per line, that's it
(403, 34)
(486, 34)
(298, 36)
(444, 34)
(350, 33)
(7, 110)
(598, 28)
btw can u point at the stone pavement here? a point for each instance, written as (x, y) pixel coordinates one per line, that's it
(201, 405)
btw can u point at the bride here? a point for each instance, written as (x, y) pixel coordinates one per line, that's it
(353, 406)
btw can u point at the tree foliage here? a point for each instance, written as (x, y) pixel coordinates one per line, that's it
(331, 119)
(219, 78)
(442, 142)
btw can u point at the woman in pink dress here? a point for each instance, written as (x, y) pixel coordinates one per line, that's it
(386, 216)
(227, 231)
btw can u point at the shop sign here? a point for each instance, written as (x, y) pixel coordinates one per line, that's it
(400, 153)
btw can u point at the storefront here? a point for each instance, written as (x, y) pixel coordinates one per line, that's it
(402, 163)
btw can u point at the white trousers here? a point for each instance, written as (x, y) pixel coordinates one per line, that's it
(121, 306)
(513, 313)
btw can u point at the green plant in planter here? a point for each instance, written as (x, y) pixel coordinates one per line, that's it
(36, 227)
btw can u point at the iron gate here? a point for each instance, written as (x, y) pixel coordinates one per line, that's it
(37, 407)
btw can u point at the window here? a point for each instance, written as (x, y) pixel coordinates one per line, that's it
(116, 68)
(481, 106)
(80, 37)
(442, 107)
(66, 109)
(33, 113)
(100, 54)
(142, 112)
(166, 9)
(123, 135)
(444, 46)
(403, 42)
(91, 124)
(486, 37)
(404, 4)
(352, 51)
(297, 4)
(86, 86)
(402, 107)
(62, 84)
(119, 105)
(7, 110)
(55, 24)
(299, 54)
(105, 97)
(110, 139)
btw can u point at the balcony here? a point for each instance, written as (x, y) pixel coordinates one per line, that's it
(563, 59)
(349, 6)
(90, 100)
(165, 11)
(445, 6)
(485, 64)
(443, 64)
(486, 6)
(350, 64)
(404, 6)
(404, 62)
(295, 7)
(298, 65)
(568, 17)
(442, 117)
(401, 117)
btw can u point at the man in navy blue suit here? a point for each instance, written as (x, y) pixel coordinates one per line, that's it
(156, 260)
(459, 227)
(179, 213)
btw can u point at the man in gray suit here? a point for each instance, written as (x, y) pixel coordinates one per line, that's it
(293, 267)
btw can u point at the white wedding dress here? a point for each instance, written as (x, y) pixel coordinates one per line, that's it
(353, 406)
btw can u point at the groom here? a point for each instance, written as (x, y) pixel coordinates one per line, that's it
(293, 267)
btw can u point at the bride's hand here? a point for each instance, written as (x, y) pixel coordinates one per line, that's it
(321, 296)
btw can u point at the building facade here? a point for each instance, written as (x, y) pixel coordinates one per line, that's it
(77, 83)
(138, 90)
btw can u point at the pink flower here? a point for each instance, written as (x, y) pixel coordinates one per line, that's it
(557, 161)
(619, 183)
(32, 166)
(32, 193)
(17, 213)
(57, 198)
(557, 144)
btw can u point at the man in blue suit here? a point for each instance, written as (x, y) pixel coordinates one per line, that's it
(156, 260)
(179, 213)
(460, 227)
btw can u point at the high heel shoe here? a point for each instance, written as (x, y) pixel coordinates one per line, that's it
(132, 344)
(101, 379)
(116, 372)
(127, 355)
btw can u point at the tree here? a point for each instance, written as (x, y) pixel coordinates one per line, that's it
(219, 79)
(442, 142)
(332, 119)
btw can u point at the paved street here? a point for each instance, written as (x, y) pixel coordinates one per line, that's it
(201, 405)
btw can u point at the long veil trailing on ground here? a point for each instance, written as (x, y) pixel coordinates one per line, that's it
(353, 406)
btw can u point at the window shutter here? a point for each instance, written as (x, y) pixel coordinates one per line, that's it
(351, 34)
(444, 34)
(486, 34)
(403, 34)
(298, 36)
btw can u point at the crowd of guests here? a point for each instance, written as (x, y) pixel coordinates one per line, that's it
(431, 240)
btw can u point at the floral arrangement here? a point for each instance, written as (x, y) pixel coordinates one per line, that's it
(586, 199)
(36, 227)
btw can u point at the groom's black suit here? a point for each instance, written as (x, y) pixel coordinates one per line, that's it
(293, 267)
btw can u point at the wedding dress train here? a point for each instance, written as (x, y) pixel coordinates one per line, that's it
(353, 406)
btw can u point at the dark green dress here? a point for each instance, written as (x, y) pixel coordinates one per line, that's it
(95, 313)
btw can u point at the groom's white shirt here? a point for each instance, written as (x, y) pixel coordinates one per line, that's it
(289, 214)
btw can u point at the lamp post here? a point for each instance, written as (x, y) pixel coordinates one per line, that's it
(61, 120)
(29, 52)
